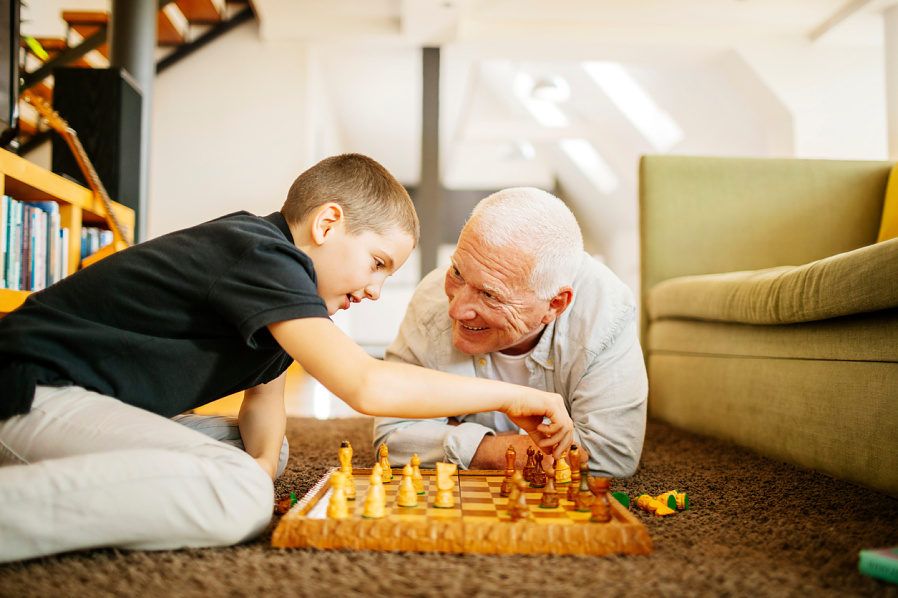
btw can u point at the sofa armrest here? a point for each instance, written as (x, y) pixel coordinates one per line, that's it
(854, 282)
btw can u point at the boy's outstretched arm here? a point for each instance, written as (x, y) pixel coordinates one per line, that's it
(263, 421)
(375, 387)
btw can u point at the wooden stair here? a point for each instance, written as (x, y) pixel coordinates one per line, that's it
(181, 26)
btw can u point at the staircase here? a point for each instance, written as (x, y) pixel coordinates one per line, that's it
(182, 27)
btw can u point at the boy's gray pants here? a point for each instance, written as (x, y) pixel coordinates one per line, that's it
(83, 470)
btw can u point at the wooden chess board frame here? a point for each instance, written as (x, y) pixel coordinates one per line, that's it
(478, 523)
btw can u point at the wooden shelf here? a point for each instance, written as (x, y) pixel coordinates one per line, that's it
(25, 181)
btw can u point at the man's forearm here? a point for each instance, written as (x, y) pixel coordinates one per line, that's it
(490, 453)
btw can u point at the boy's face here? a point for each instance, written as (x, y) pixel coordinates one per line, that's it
(354, 267)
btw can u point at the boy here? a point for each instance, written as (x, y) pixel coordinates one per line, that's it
(92, 368)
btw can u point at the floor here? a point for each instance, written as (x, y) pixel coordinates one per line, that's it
(303, 397)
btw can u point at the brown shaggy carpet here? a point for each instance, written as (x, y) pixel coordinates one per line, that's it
(757, 527)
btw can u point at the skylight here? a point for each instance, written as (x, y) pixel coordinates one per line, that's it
(658, 128)
(546, 112)
(591, 164)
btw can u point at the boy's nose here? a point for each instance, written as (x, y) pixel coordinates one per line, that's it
(372, 291)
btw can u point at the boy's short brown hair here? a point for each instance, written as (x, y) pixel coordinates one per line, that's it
(371, 198)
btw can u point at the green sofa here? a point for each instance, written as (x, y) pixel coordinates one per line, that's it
(769, 311)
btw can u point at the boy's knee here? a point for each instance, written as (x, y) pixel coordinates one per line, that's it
(249, 504)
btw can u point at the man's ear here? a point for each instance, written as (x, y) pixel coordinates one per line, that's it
(558, 304)
(327, 218)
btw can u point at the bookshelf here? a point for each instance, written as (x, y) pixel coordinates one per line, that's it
(25, 181)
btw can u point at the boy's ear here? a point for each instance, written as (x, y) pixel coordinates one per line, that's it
(327, 218)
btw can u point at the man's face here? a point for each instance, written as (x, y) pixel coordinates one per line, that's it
(490, 301)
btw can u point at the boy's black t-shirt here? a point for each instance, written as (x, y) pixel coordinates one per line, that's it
(166, 325)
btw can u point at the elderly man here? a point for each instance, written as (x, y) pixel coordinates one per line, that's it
(522, 302)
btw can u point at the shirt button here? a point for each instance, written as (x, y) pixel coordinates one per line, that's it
(482, 362)
(549, 361)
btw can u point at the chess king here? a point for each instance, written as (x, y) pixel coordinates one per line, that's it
(522, 302)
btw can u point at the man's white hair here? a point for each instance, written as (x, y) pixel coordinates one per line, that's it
(537, 224)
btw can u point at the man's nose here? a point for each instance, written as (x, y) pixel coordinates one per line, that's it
(461, 305)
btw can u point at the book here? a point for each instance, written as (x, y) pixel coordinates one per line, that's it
(880, 563)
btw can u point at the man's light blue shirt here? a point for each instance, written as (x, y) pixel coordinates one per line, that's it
(590, 355)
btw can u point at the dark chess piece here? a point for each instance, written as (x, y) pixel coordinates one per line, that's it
(507, 483)
(574, 458)
(517, 501)
(600, 507)
(549, 498)
(538, 477)
(529, 465)
(585, 496)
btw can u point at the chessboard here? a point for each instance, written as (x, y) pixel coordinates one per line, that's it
(477, 523)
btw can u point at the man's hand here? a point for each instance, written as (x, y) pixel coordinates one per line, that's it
(528, 412)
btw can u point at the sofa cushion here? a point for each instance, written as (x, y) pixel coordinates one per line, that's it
(861, 337)
(888, 227)
(849, 283)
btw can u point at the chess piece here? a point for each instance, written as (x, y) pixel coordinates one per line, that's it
(574, 488)
(529, 465)
(285, 503)
(338, 507)
(518, 509)
(585, 496)
(600, 508)
(549, 499)
(345, 455)
(444, 498)
(417, 478)
(538, 477)
(510, 456)
(408, 497)
(376, 499)
(562, 471)
(386, 471)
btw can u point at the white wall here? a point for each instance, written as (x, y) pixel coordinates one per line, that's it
(229, 131)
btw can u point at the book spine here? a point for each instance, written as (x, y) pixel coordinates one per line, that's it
(4, 238)
(881, 564)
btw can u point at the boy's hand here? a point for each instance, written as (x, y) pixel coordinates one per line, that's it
(528, 411)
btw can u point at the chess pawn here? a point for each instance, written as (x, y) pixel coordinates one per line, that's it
(417, 478)
(529, 465)
(338, 507)
(562, 471)
(386, 470)
(538, 477)
(444, 498)
(585, 496)
(600, 507)
(518, 509)
(345, 455)
(510, 456)
(549, 499)
(408, 497)
(376, 499)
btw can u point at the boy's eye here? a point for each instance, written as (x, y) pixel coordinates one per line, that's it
(378, 264)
